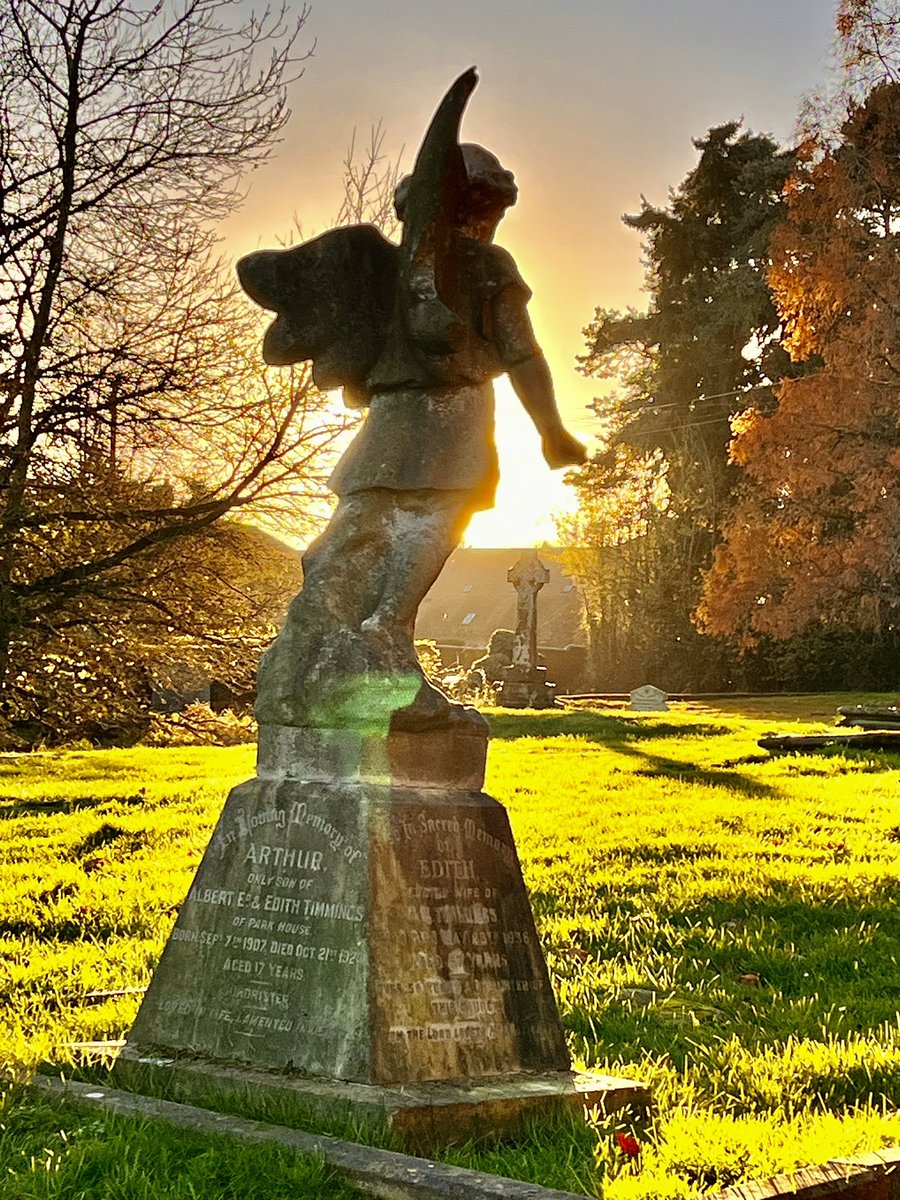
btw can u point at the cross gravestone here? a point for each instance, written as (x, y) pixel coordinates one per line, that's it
(524, 683)
(358, 935)
(649, 699)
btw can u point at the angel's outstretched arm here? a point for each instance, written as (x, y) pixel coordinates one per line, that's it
(530, 376)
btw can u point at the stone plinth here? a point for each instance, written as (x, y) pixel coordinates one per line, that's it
(420, 1116)
(359, 924)
(451, 759)
(358, 944)
(526, 687)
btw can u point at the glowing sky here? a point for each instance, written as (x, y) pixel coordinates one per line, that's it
(591, 103)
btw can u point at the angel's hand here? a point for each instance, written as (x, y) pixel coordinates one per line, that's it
(561, 449)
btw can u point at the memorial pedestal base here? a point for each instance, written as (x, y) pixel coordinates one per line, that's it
(371, 927)
(422, 1118)
(358, 932)
(359, 935)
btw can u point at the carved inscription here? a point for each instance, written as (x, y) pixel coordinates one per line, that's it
(457, 960)
(276, 924)
(383, 937)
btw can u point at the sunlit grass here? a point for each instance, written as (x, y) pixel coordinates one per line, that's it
(97, 850)
(49, 1151)
(717, 921)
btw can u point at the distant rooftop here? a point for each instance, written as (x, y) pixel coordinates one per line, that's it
(472, 598)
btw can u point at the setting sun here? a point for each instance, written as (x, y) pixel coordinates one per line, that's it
(530, 495)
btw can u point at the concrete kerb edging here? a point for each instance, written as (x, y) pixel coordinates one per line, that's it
(381, 1173)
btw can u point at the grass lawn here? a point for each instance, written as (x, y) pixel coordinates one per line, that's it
(719, 922)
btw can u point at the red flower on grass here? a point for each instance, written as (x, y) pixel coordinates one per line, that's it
(628, 1145)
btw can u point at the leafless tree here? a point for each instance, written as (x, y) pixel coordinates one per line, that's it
(133, 410)
(370, 180)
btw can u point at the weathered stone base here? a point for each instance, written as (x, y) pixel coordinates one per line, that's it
(422, 1117)
(384, 1174)
(358, 928)
(524, 688)
(358, 946)
(446, 759)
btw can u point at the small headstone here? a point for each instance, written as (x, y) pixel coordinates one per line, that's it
(649, 699)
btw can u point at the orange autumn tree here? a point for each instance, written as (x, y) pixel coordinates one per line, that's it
(814, 540)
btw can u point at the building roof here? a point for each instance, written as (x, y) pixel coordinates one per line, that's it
(472, 598)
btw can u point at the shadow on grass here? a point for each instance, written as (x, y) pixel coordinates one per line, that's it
(685, 772)
(592, 726)
(44, 930)
(780, 968)
(12, 807)
(657, 855)
(790, 908)
(620, 733)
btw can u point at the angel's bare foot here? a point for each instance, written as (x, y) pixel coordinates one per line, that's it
(431, 709)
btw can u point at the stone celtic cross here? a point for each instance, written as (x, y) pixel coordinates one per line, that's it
(528, 576)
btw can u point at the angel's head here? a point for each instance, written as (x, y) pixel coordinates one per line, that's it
(490, 190)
